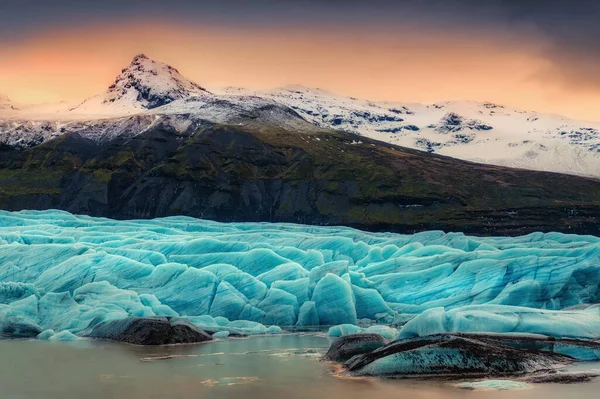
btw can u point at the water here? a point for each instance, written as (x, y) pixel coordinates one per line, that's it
(285, 366)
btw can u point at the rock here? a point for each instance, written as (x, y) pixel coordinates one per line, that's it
(351, 345)
(149, 331)
(578, 349)
(183, 332)
(563, 378)
(452, 356)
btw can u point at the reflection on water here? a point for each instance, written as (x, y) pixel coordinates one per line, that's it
(284, 366)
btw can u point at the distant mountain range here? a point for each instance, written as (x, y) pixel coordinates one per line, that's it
(148, 92)
(6, 104)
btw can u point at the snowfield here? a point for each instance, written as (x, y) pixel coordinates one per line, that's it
(479, 132)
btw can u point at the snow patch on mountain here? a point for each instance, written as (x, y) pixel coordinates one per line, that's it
(480, 132)
(183, 117)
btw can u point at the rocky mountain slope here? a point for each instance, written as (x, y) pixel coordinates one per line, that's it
(262, 170)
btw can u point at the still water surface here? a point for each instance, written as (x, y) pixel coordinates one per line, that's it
(285, 366)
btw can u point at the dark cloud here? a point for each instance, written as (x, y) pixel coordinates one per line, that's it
(568, 31)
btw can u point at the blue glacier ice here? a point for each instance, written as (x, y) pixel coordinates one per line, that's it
(341, 330)
(61, 273)
(503, 318)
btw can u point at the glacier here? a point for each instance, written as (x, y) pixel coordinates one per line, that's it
(62, 273)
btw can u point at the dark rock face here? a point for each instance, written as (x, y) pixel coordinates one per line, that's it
(452, 356)
(149, 331)
(351, 345)
(263, 172)
(578, 349)
(453, 122)
(563, 378)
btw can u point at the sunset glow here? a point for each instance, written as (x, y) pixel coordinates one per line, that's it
(401, 64)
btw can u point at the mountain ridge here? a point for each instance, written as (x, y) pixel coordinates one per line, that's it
(260, 171)
(480, 132)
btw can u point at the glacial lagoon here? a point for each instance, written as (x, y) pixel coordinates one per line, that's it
(282, 366)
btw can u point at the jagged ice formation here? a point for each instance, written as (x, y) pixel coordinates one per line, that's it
(62, 272)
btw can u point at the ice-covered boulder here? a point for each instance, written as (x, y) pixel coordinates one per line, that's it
(452, 356)
(578, 349)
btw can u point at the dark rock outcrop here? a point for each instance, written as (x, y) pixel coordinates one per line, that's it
(148, 331)
(578, 349)
(351, 345)
(449, 355)
(563, 378)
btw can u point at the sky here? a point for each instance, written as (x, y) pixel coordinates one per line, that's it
(536, 55)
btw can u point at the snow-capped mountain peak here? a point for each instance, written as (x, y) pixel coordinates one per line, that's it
(6, 103)
(143, 84)
(148, 92)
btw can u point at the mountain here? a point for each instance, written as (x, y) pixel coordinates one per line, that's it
(6, 103)
(259, 170)
(144, 94)
(149, 92)
(144, 84)
(478, 132)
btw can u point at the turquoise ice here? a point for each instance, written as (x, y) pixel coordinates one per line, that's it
(62, 272)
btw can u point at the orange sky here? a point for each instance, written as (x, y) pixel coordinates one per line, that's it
(406, 66)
